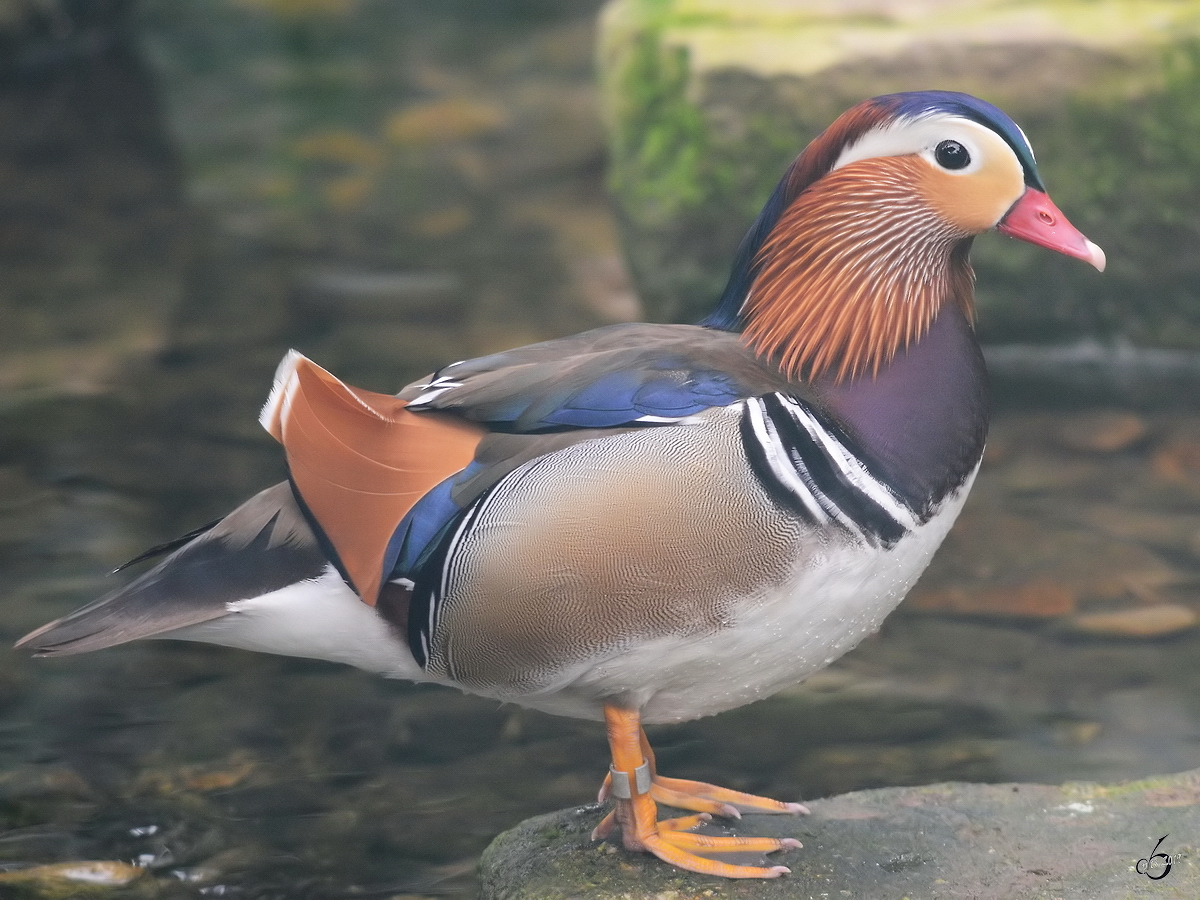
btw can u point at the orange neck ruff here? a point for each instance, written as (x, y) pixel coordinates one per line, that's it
(855, 269)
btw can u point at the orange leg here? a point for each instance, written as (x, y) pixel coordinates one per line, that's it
(634, 787)
(697, 796)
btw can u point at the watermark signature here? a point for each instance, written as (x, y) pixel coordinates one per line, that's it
(1156, 865)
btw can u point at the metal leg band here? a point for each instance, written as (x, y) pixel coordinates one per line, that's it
(621, 787)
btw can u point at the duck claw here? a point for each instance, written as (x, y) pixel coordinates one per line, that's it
(641, 789)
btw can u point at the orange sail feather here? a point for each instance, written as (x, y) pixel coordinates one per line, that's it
(360, 461)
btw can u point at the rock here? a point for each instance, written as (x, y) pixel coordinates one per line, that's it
(1138, 622)
(95, 231)
(1155, 526)
(230, 773)
(1102, 432)
(707, 101)
(985, 842)
(999, 563)
(1094, 372)
(1040, 598)
(69, 880)
(443, 122)
(28, 784)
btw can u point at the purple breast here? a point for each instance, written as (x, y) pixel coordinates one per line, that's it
(922, 421)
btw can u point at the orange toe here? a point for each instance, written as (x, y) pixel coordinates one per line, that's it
(702, 792)
(665, 850)
(636, 789)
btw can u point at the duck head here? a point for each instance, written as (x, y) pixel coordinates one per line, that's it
(868, 234)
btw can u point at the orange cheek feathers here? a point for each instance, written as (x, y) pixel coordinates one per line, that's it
(974, 202)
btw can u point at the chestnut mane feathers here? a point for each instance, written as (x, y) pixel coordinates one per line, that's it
(854, 269)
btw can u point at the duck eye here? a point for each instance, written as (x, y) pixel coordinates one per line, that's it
(952, 155)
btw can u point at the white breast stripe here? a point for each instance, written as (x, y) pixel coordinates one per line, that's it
(782, 467)
(820, 472)
(851, 466)
(831, 507)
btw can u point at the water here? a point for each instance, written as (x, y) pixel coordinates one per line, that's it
(389, 188)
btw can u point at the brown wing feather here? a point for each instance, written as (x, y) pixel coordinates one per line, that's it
(360, 460)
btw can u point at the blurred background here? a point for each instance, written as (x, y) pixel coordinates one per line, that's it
(189, 189)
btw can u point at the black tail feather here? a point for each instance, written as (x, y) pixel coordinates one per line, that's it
(262, 546)
(161, 549)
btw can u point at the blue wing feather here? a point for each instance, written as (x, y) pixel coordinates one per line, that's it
(616, 377)
(641, 396)
(612, 382)
(423, 527)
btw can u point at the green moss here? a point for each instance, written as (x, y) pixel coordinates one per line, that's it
(675, 175)
(1125, 172)
(662, 143)
(1184, 785)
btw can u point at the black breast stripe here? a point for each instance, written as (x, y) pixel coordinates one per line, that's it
(810, 468)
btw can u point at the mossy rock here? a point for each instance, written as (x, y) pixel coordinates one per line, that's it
(707, 101)
(1075, 842)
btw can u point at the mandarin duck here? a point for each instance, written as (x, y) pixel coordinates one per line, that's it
(645, 523)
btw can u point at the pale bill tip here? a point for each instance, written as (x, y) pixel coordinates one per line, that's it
(1096, 256)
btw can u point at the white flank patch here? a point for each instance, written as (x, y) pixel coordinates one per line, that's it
(317, 619)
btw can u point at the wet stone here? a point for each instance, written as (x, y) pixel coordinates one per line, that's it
(68, 880)
(1088, 511)
(1178, 461)
(201, 779)
(999, 564)
(988, 842)
(1039, 599)
(1138, 622)
(1103, 432)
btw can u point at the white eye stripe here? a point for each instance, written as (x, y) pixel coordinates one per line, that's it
(920, 136)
